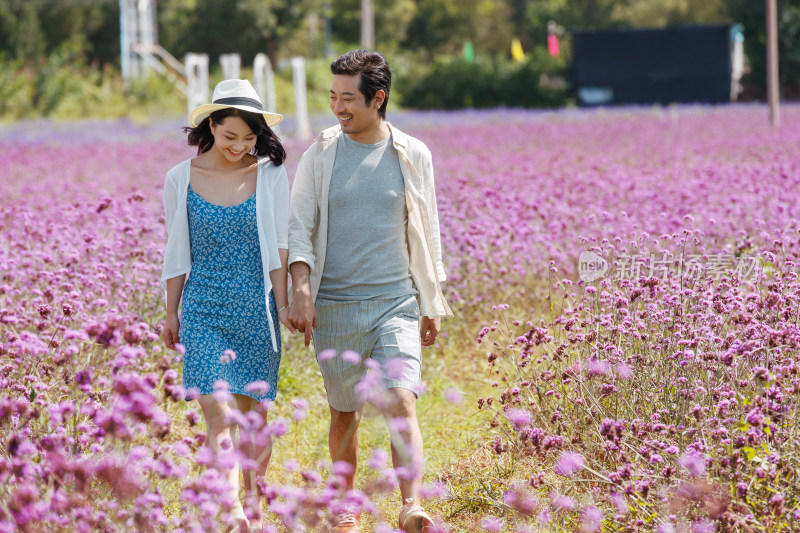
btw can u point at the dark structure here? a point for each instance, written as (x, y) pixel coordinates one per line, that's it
(646, 66)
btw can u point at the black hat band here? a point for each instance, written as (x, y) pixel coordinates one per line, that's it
(240, 100)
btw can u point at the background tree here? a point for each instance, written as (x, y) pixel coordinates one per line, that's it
(487, 24)
(32, 29)
(659, 13)
(38, 36)
(392, 19)
(247, 27)
(752, 15)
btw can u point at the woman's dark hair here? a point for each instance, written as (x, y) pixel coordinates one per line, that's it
(267, 143)
(373, 69)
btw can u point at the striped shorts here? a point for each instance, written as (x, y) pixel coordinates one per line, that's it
(386, 338)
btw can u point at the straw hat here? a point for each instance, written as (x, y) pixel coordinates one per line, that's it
(234, 93)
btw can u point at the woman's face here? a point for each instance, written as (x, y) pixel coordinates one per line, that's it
(233, 138)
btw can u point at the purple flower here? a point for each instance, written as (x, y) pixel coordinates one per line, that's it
(703, 526)
(259, 388)
(563, 503)
(227, 357)
(776, 503)
(394, 368)
(351, 357)
(300, 409)
(492, 523)
(377, 459)
(312, 476)
(454, 395)
(656, 459)
(342, 468)
(519, 417)
(591, 520)
(300, 403)
(434, 490)
(279, 428)
(693, 462)
(325, 355)
(624, 371)
(569, 463)
(596, 367)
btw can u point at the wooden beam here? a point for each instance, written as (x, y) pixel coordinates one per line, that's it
(367, 25)
(773, 90)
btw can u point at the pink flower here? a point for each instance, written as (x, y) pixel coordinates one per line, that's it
(693, 462)
(519, 417)
(569, 463)
(563, 503)
(325, 355)
(351, 357)
(492, 523)
(454, 395)
(227, 357)
(259, 388)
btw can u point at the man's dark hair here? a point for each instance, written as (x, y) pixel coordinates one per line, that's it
(373, 69)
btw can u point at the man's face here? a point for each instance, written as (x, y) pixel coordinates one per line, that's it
(350, 106)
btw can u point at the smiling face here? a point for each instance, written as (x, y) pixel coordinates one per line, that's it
(357, 118)
(233, 138)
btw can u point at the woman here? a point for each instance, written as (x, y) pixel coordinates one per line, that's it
(226, 217)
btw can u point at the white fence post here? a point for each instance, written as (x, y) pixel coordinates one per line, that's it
(129, 39)
(231, 65)
(264, 81)
(196, 79)
(147, 32)
(300, 103)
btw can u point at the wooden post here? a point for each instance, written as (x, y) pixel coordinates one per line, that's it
(326, 17)
(773, 92)
(196, 66)
(231, 66)
(367, 25)
(300, 97)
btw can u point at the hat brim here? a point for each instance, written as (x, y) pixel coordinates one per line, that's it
(199, 114)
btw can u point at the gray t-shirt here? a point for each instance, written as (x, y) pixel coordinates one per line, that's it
(367, 252)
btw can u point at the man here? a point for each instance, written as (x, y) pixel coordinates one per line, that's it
(366, 265)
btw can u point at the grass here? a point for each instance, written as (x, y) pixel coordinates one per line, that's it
(451, 431)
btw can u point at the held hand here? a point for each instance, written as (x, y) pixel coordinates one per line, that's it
(171, 333)
(303, 316)
(283, 316)
(429, 329)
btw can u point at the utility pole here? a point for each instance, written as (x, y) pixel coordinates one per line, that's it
(773, 90)
(326, 18)
(367, 25)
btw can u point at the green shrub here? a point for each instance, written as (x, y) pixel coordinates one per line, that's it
(62, 86)
(15, 90)
(541, 81)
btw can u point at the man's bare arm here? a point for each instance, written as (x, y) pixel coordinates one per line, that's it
(302, 313)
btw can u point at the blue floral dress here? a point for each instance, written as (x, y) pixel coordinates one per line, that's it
(223, 302)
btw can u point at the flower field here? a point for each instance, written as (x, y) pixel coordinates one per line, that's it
(624, 355)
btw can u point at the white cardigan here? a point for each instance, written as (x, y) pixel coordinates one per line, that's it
(272, 215)
(308, 217)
